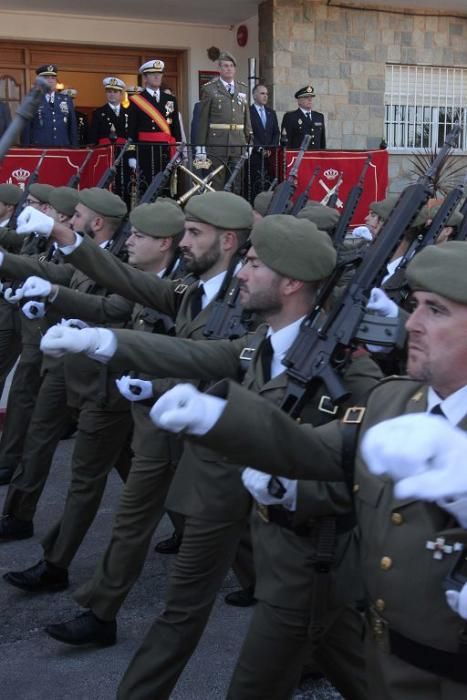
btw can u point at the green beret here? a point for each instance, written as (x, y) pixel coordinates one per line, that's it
(441, 269)
(10, 194)
(220, 209)
(103, 202)
(384, 207)
(294, 248)
(455, 219)
(64, 200)
(41, 192)
(424, 215)
(325, 218)
(159, 220)
(263, 200)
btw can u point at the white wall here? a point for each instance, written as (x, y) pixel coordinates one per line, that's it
(115, 31)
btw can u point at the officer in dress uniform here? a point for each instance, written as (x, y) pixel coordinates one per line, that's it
(82, 122)
(304, 121)
(154, 122)
(110, 123)
(224, 126)
(54, 124)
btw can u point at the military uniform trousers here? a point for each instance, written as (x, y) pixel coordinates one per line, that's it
(50, 417)
(10, 340)
(207, 551)
(391, 678)
(20, 406)
(102, 443)
(281, 636)
(139, 512)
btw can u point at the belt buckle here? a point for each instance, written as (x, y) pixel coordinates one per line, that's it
(247, 354)
(180, 288)
(327, 406)
(354, 414)
(263, 512)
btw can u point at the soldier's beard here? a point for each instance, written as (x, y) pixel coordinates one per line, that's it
(203, 262)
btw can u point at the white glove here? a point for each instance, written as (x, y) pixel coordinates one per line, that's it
(61, 339)
(74, 323)
(423, 453)
(33, 309)
(13, 295)
(132, 163)
(457, 601)
(134, 389)
(381, 304)
(31, 220)
(186, 408)
(200, 153)
(36, 287)
(257, 483)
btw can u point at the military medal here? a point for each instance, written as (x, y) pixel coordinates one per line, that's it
(300, 122)
(440, 548)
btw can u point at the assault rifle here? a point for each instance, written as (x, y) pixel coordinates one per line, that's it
(25, 113)
(157, 185)
(236, 171)
(350, 206)
(320, 353)
(284, 192)
(461, 234)
(302, 198)
(75, 179)
(108, 176)
(396, 286)
(31, 180)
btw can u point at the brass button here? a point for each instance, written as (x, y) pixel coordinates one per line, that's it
(397, 519)
(299, 420)
(356, 488)
(385, 563)
(380, 604)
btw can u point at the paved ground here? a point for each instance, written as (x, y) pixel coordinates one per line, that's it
(34, 667)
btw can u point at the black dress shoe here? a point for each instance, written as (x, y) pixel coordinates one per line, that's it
(170, 546)
(40, 578)
(86, 628)
(12, 528)
(242, 598)
(5, 475)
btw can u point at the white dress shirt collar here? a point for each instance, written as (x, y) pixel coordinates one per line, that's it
(281, 341)
(453, 406)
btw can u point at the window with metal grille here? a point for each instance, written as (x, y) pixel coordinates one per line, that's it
(421, 105)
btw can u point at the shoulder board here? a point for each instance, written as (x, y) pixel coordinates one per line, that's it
(239, 82)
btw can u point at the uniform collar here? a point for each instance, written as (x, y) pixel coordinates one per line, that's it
(453, 406)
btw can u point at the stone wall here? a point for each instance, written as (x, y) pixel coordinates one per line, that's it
(343, 53)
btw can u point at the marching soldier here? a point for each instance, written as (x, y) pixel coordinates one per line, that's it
(54, 124)
(304, 121)
(224, 127)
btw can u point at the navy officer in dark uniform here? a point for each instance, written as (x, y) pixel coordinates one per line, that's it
(111, 122)
(54, 124)
(304, 121)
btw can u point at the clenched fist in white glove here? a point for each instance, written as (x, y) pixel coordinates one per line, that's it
(132, 163)
(74, 323)
(257, 482)
(381, 304)
(33, 309)
(61, 339)
(36, 287)
(13, 295)
(186, 408)
(457, 601)
(422, 453)
(134, 389)
(33, 221)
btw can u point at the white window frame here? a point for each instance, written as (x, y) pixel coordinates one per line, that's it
(416, 98)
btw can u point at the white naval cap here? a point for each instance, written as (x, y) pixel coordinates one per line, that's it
(112, 83)
(152, 66)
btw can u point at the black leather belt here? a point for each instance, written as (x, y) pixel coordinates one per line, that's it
(285, 518)
(443, 663)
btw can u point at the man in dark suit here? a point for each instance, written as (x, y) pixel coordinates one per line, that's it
(304, 121)
(154, 122)
(5, 117)
(265, 135)
(54, 124)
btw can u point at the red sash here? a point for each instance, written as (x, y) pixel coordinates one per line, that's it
(107, 142)
(145, 106)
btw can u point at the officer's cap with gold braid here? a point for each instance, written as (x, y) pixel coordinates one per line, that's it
(441, 269)
(103, 202)
(64, 200)
(41, 191)
(307, 91)
(10, 194)
(49, 69)
(294, 248)
(152, 66)
(220, 209)
(325, 218)
(159, 220)
(112, 83)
